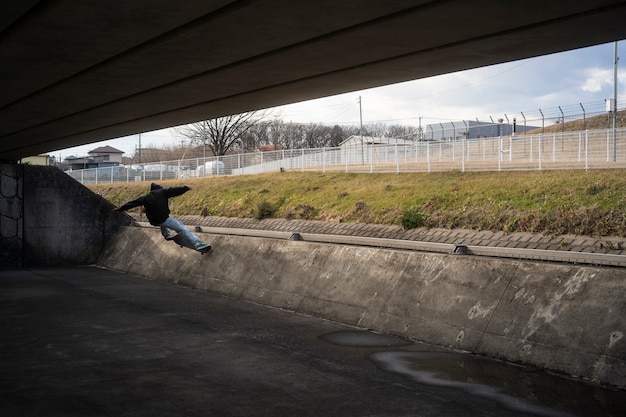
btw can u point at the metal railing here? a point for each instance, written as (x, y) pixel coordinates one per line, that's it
(590, 149)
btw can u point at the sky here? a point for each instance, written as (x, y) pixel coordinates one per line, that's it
(524, 88)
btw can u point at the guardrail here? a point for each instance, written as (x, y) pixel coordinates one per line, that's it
(590, 149)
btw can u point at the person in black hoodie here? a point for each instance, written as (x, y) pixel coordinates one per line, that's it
(158, 212)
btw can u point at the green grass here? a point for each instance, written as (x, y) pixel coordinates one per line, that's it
(552, 202)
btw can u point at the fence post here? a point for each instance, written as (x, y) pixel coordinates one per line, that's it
(111, 174)
(324, 159)
(510, 148)
(580, 136)
(428, 155)
(397, 160)
(540, 150)
(463, 155)
(453, 149)
(483, 144)
(554, 147)
(587, 150)
(500, 153)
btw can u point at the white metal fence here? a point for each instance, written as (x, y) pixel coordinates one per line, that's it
(590, 149)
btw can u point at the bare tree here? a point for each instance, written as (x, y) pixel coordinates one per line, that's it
(336, 136)
(278, 133)
(312, 135)
(290, 135)
(224, 133)
(267, 132)
(404, 132)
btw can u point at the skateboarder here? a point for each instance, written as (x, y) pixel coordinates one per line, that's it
(158, 212)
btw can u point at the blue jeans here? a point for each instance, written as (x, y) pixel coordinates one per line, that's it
(172, 223)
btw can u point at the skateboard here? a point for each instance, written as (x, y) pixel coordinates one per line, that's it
(184, 242)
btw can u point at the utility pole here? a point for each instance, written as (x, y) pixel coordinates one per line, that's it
(361, 132)
(204, 140)
(139, 149)
(420, 132)
(615, 59)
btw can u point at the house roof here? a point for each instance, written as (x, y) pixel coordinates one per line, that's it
(105, 149)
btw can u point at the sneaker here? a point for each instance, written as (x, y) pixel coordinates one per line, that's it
(170, 237)
(201, 246)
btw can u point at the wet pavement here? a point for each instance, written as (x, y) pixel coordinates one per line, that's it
(91, 342)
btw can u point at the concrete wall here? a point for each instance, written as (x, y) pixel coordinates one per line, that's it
(48, 218)
(566, 318)
(11, 215)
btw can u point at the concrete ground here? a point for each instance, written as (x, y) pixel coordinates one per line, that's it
(86, 341)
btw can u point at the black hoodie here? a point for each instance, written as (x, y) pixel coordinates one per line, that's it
(156, 202)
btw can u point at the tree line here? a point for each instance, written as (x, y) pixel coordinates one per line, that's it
(259, 131)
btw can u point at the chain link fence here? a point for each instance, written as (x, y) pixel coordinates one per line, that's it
(584, 150)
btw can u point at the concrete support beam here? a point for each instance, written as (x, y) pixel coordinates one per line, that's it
(76, 72)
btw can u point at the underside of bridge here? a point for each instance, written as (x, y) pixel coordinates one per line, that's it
(75, 72)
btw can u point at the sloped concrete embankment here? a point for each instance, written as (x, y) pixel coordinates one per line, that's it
(566, 318)
(47, 218)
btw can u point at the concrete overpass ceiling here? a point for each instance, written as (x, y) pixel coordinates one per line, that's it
(75, 72)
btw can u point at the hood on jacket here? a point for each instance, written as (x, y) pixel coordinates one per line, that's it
(155, 186)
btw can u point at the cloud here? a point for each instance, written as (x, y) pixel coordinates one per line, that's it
(596, 78)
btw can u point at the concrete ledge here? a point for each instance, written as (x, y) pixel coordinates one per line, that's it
(563, 317)
(606, 259)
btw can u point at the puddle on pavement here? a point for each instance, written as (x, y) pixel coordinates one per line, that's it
(513, 387)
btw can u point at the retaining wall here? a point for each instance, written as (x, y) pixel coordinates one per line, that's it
(566, 318)
(48, 218)
(11, 215)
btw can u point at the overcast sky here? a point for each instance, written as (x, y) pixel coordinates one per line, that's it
(565, 79)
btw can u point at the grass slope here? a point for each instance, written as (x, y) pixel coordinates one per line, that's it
(552, 202)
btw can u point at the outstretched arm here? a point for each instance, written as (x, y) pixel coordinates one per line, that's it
(131, 204)
(174, 191)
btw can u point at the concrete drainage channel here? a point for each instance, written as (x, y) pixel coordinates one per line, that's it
(553, 310)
